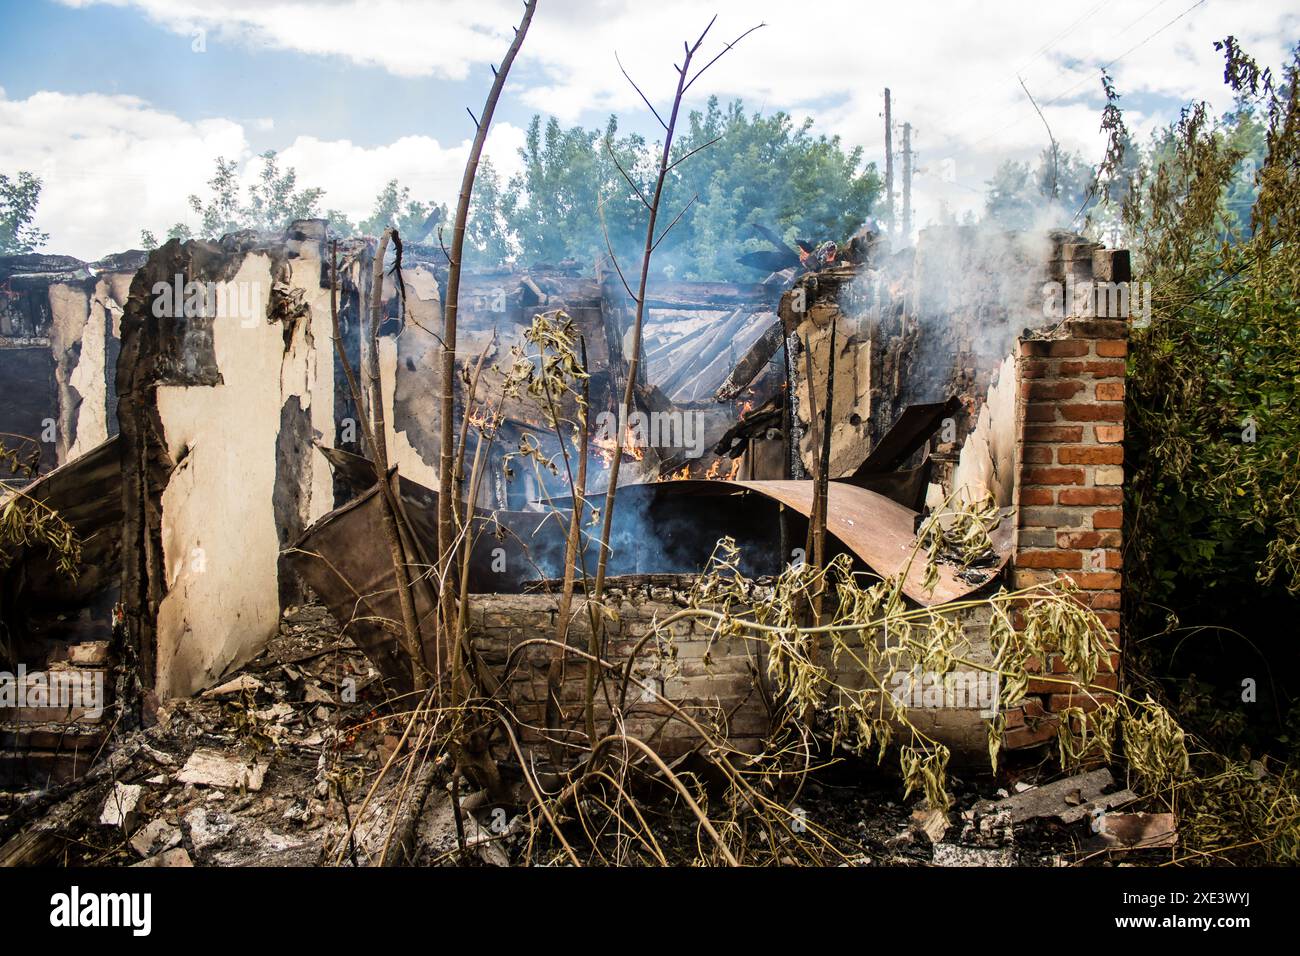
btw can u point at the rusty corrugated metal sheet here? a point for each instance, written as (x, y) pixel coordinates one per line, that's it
(342, 558)
(878, 530)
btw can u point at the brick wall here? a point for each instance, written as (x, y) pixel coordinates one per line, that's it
(55, 742)
(722, 692)
(727, 688)
(1071, 466)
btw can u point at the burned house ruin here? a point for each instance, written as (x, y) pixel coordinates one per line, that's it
(207, 451)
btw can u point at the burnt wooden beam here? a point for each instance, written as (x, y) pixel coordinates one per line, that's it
(752, 362)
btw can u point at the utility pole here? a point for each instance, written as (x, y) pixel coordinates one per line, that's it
(907, 182)
(889, 166)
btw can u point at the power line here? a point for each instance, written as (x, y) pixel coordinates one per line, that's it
(1131, 49)
(1059, 96)
(1064, 93)
(961, 109)
(1050, 43)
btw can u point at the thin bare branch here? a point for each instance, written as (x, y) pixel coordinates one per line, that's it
(619, 166)
(644, 98)
(676, 219)
(723, 53)
(600, 212)
(682, 159)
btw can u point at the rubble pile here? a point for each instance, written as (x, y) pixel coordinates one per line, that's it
(254, 771)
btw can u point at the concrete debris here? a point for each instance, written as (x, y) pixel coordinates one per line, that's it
(1137, 831)
(314, 694)
(297, 817)
(155, 837)
(948, 854)
(158, 756)
(437, 830)
(235, 686)
(211, 768)
(276, 713)
(990, 830)
(176, 857)
(88, 653)
(120, 807)
(207, 828)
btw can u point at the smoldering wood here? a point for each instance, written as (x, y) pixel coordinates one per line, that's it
(752, 362)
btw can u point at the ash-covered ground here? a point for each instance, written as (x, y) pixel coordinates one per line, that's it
(274, 767)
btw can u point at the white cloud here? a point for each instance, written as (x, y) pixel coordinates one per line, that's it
(113, 165)
(406, 38)
(352, 175)
(954, 70)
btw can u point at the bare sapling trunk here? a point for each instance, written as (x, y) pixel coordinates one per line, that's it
(666, 165)
(573, 541)
(446, 570)
(467, 744)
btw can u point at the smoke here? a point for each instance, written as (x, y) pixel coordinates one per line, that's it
(955, 304)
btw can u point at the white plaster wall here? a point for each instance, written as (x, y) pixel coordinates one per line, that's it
(218, 524)
(91, 320)
(986, 464)
(424, 315)
(309, 373)
(71, 322)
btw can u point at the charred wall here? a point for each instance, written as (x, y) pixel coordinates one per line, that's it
(223, 387)
(916, 327)
(59, 341)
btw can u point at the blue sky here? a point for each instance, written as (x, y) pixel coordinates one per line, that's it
(108, 101)
(109, 49)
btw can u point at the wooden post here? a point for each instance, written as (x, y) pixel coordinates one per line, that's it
(907, 182)
(889, 165)
(823, 474)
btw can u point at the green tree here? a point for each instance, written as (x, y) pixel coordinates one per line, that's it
(763, 169)
(340, 224)
(1056, 192)
(18, 199)
(1212, 553)
(415, 221)
(487, 232)
(572, 199)
(274, 201)
(221, 213)
(553, 208)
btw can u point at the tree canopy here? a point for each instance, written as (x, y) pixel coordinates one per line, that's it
(18, 199)
(733, 168)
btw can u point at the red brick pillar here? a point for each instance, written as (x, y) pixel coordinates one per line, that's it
(1070, 493)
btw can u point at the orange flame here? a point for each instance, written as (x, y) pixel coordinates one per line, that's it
(715, 470)
(604, 448)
